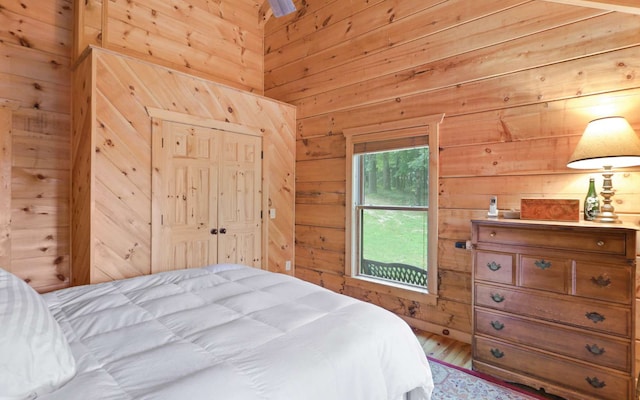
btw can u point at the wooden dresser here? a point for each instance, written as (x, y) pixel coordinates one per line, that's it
(554, 306)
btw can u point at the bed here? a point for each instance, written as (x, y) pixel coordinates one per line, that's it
(220, 332)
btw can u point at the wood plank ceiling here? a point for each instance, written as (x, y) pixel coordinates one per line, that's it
(628, 6)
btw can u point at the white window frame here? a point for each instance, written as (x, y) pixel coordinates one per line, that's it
(415, 127)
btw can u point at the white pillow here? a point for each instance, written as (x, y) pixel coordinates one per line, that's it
(35, 357)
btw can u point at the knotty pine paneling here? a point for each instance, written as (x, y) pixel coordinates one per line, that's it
(35, 47)
(469, 191)
(5, 185)
(453, 314)
(30, 24)
(337, 27)
(53, 13)
(521, 53)
(517, 80)
(43, 242)
(452, 258)
(321, 192)
(87, 26)
(321, 170)
(278, 167)
(44, 67)
(411, 54)
(323, 261)
(322, 238)
(565, 117)
(40, 198)
(581, 77)
(329, 281)
(221, 41)
(112, 159)
(328, 216)
(35, 214)
(321, 147)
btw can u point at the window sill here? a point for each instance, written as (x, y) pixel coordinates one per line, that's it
(398, 290)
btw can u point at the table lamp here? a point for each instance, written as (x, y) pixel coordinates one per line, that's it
(607, 143)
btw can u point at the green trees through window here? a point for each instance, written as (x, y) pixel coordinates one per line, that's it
(392, 209)
(397, 177)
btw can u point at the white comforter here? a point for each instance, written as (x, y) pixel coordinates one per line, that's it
(234, 332)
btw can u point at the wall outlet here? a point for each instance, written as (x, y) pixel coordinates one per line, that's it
(272, 213)
(287, 265)
(464, 245)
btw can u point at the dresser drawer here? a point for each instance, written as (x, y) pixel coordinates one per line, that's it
(569, 310)
(553, 274)
(494, 267)
(612, 243)
(604, 282)
(590, 380)
(589, 347)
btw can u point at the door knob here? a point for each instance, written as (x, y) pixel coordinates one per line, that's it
(223, 230)
(214, 231)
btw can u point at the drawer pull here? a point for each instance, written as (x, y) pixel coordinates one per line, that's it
(595, 349)
(492, 234)
(498, 298)
(600, 243)
(497, 353)
(493, 266)
(601, 281)
(542, 264)
(595, 317)
(595, 382)
(497, 325)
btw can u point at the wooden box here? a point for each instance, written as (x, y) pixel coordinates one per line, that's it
(550, 209)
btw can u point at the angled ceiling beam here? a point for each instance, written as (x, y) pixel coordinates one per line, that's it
(264, 13)
(626, 6)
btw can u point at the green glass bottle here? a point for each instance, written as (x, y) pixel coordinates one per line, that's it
(591, 202)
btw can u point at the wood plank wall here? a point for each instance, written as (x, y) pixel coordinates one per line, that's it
(35, 48)
(518, 82)
(218, 40)
(112, 158)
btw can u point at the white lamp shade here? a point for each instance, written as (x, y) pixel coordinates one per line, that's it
(282, 7)
(610, 142)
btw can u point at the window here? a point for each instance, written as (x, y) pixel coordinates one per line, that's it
(391, 209)
(392, 172)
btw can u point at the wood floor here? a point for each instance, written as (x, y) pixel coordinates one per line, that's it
(445, 349)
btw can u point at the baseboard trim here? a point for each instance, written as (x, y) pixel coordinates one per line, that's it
(460, 336)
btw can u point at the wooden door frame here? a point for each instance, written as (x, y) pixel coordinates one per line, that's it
(155, 115)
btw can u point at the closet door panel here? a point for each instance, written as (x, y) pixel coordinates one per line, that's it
(240, 200)
(187, 169)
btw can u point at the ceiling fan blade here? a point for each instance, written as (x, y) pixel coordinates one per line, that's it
(282, 7)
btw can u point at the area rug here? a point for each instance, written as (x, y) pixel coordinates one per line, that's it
(456, 383)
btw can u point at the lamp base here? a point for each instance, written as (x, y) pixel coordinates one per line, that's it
(607, 214)
(607, 217)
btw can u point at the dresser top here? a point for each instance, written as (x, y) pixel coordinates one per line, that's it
(541, 223)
